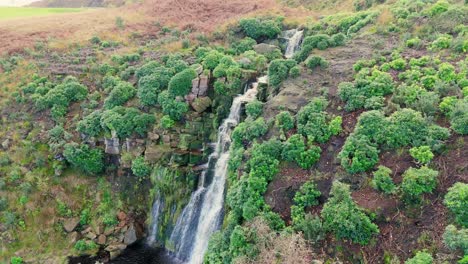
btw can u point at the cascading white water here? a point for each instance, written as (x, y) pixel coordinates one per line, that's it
(153, 230)
(204, 212)
(294, 38)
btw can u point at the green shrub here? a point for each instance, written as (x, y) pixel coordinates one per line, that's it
(311, 227)
(382, 180)
(422, 154)
(420, 258)
(249, 130)
(456, 201)
(418, 181)
(398, 64)
(442, 42)
(181, 83)
(278, 71)
(359, 154)
(319, 41)
(171, 107)
(306, 196)
(344, 218)
(284, 121)
(140, 167)
(446, 72)
(438, 8)
(90, 124)
(314, 123)
(90, 161)
(16, 260)
(124, 121)
(295, 72)
(315, 61)
(448, 104)
(85, 216)
(309, 157)
(167, 122)
(459, 117)
(254, 109)
(456, 239)
(119, 95)
(150, 86)
(147, 69)
(244, 45)
(413, 43)
(260, 29)
(83, 245)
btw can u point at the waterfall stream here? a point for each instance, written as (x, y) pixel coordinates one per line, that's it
(203, 215)
(294, 38)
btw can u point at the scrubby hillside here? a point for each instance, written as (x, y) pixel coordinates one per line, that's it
(354, 151)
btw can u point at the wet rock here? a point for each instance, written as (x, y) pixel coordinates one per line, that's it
(101, 240)
(201, 104)
(115, 249)
(108, 231)
(264, 48)
(131, 235)
(112, 145)
(153, 136)
(86, 230)
(70, 224)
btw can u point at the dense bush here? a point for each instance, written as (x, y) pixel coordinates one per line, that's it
(249, 130)
(366, 87)
(171, 107)
(373, 124)
(417, 182)
(243, 45)
(181, 83)
(147, 69)
(456, 201)
(140, 167)
(125, 121)
(315, 124)
(459, 117)
(260, 29)
(90, 161)
(150, 86)
(90, 125)
(278, 71)
(284, 121)
(382, 180)
(344, 218)
(456, 239)
(358, 154)
(316, 61)
(422, 154)
(254, 109)
(420, 258)
(306, 196)
(120, 94)
(438, 8)
(83, 245)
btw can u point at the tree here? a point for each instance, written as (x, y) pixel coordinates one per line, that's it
(422, 154)
(456, 201)
(420, 258)
(140, 167)
(418, 181)
(344, 218)
(181, 83)
(382, 180)
(359, 154)
(90, 161)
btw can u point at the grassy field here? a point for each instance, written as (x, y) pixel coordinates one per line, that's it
(18, 12)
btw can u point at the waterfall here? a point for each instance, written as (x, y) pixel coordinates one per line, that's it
(153, 230)
(203, 214)
(294, 38)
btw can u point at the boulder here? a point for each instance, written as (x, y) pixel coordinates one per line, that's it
(101, 240)
(91, 235)
(153, 136)
(122, 216)
(73, 237)
(264, 48)
(130, 235)
(6, 144)
(70, 224)
(112, 145)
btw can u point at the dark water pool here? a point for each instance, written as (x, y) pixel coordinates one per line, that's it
(139, 253)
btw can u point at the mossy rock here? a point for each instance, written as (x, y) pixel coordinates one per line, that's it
(195, 158)
(200, 104)
(180, 158)
(156, 153)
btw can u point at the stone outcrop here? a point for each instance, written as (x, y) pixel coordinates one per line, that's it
(70, 224)
(263, 48)
(112, 145)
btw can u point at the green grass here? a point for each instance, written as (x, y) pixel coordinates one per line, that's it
(18, 12)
